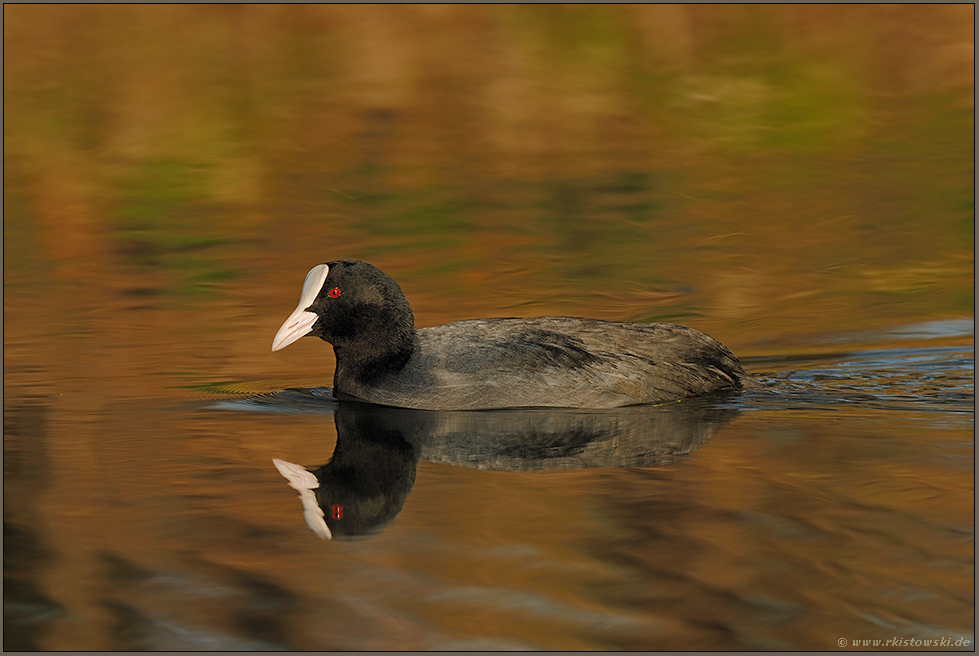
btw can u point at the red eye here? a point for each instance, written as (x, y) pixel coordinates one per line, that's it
(334, 292)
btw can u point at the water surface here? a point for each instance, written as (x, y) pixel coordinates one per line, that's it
(835, 502)
(797, 182)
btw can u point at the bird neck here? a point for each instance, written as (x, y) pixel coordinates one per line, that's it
(362, 362)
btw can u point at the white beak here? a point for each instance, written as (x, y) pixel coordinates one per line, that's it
(303, 481)
(300, 322)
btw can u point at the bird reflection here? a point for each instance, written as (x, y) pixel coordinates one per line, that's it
(366, 482)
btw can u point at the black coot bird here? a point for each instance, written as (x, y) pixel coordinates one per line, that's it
(496, 363)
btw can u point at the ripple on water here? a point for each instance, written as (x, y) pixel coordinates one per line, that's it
(934, 379)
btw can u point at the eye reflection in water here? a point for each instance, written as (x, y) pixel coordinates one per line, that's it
(365, 484)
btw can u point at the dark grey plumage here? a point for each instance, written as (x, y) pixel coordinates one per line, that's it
(504, 363)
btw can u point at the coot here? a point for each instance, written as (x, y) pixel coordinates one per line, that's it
(496, 363)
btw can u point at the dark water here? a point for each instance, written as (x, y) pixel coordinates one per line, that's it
(837, 502)
(797, 182)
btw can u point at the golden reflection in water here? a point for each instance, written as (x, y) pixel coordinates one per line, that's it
(819, 155)
(780, 177)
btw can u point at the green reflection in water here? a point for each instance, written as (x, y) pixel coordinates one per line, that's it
(749, 154)
(165, 222)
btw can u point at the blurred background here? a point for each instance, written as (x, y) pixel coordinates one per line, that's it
(790, 179)
(794, 168)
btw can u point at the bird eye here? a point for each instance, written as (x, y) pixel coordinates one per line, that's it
(334, 292)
